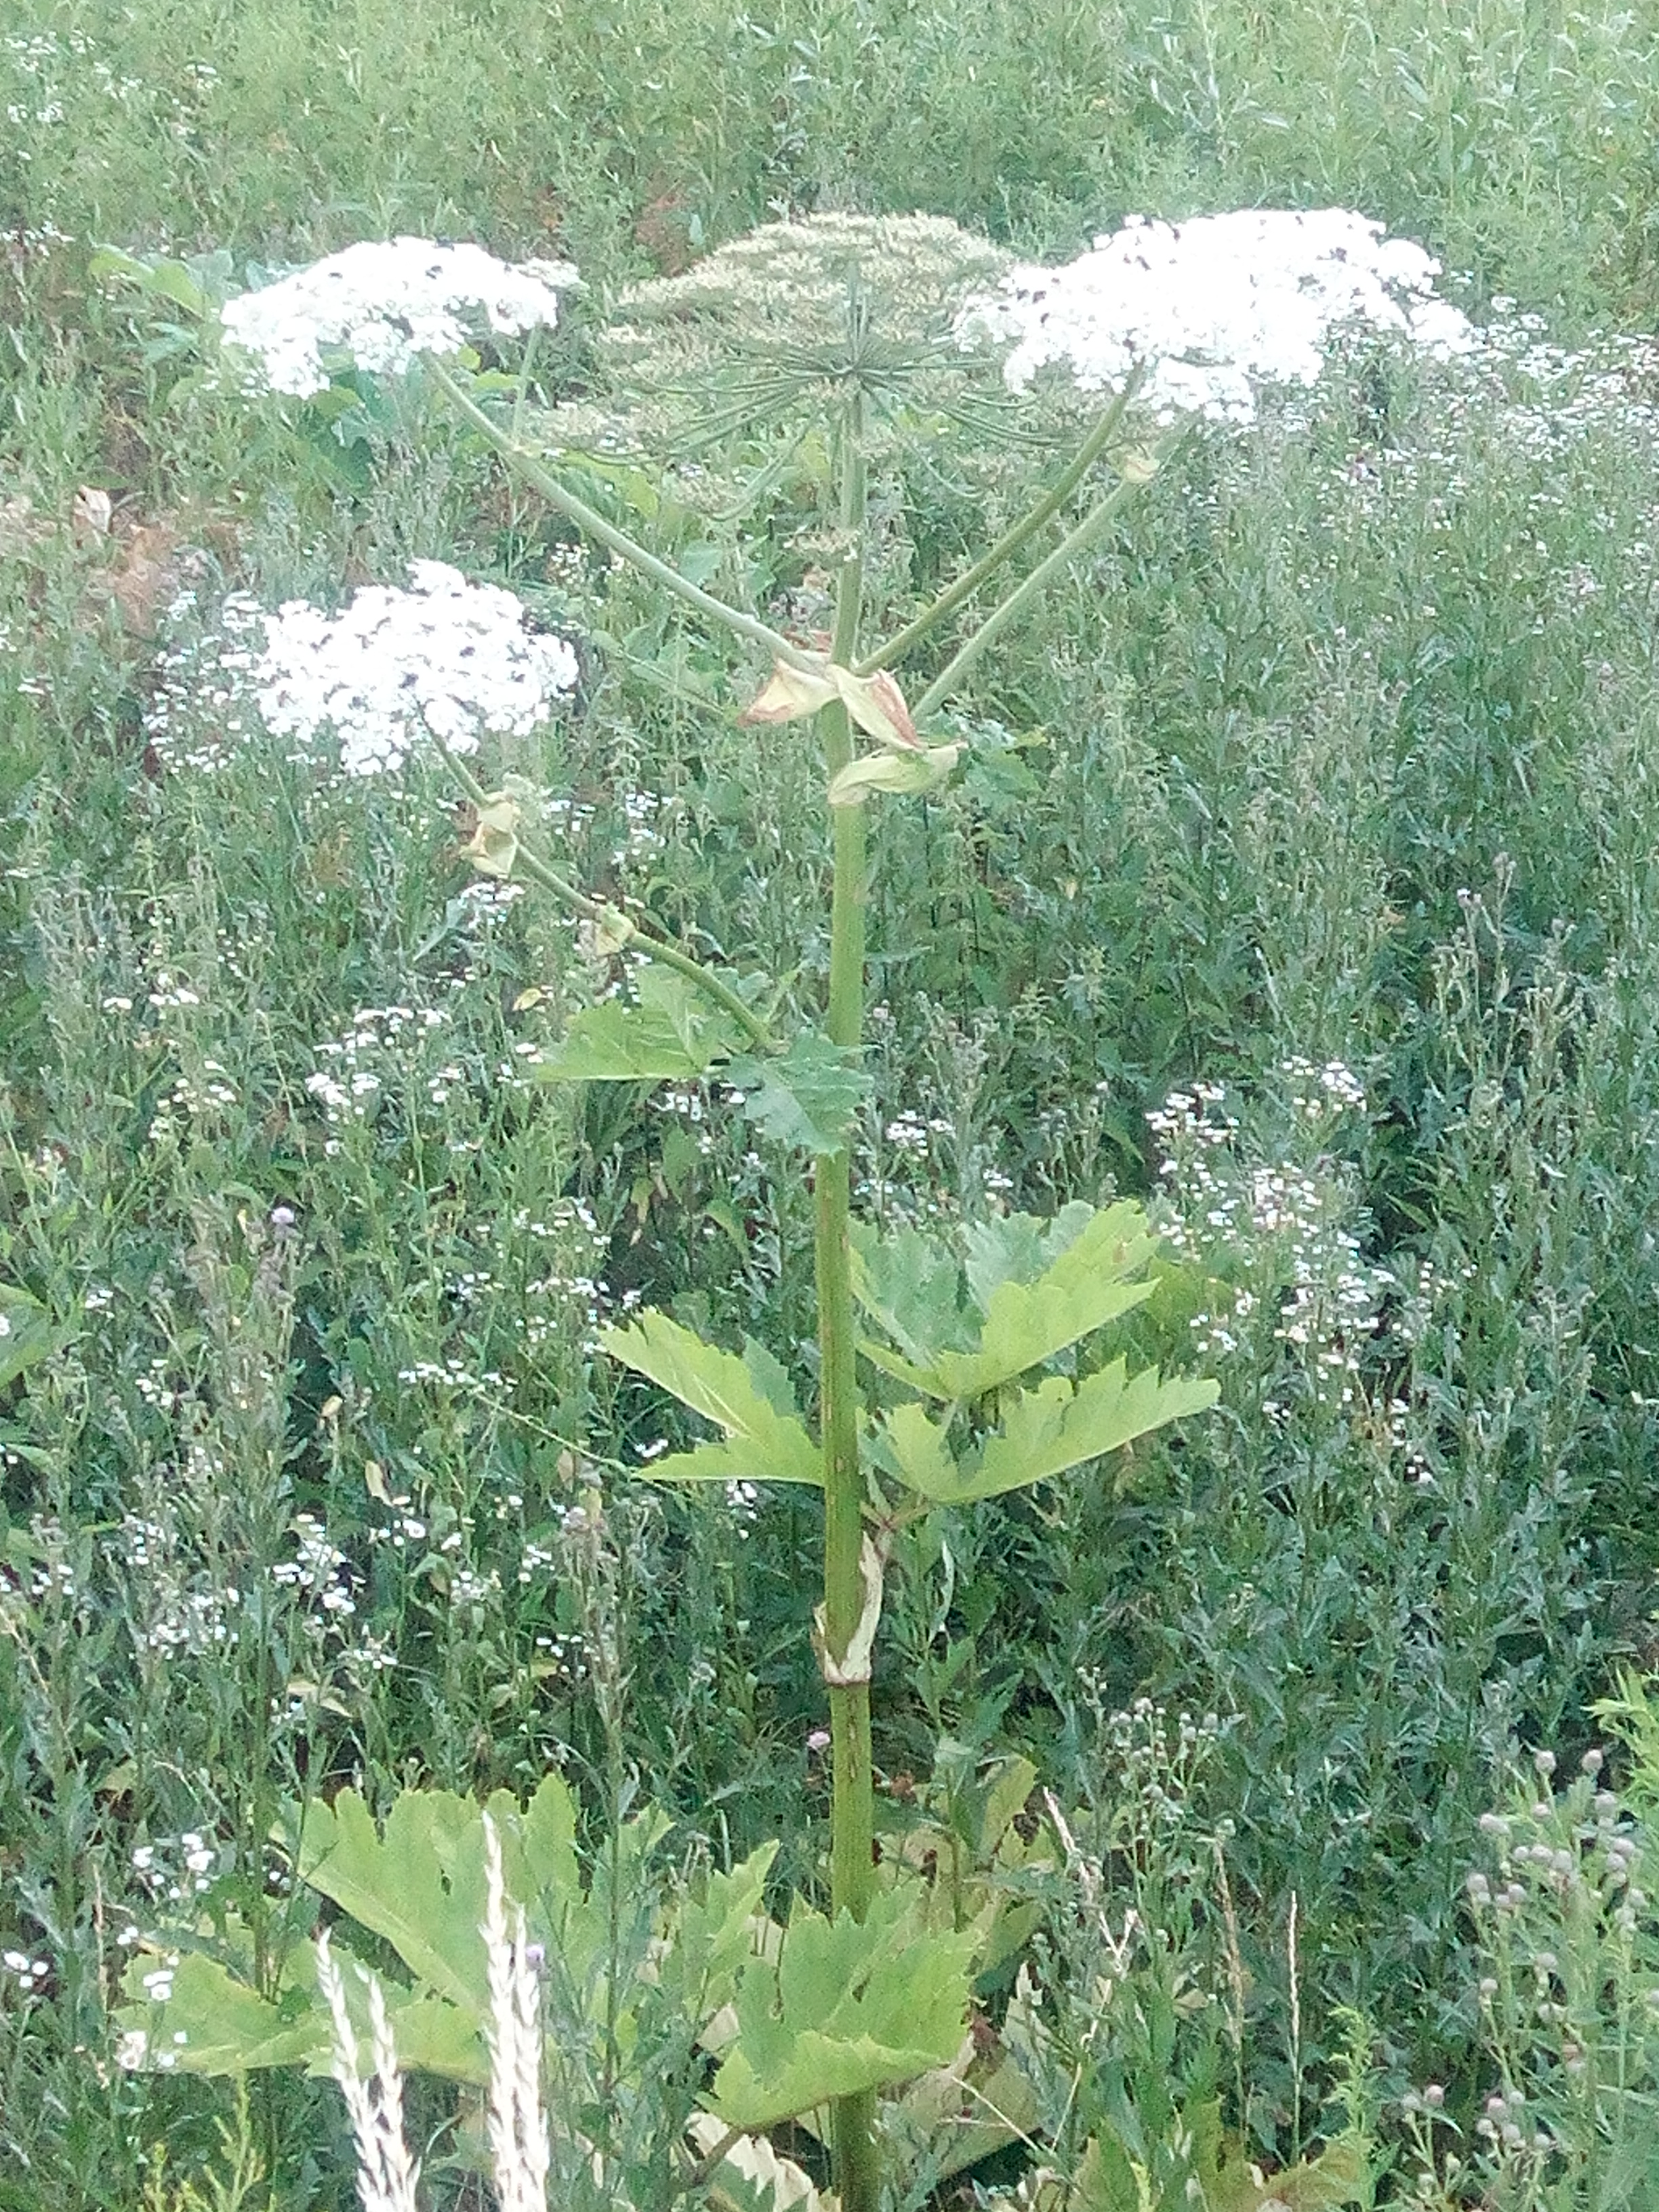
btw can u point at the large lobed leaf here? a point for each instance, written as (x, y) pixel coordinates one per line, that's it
(671, 1032)
(1043, 1431)
(1039, 1287)
(418, 1883)
(806, 1096)
(212, 2022)
(766, 1439)
(849, 2006)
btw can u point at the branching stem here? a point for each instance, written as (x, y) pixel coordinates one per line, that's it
(592, 524)
(1028, 588)
(659, 948)
(1008, 544)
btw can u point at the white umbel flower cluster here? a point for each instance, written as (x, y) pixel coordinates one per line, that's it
(445, 655)
(1215, 307)
(383, 303)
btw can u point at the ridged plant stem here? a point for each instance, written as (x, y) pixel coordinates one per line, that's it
(853, 2140)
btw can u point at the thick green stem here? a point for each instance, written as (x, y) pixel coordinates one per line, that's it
(1009, 544)
(592, 524)
(852, 1853)
(1028, 588)
(592, 910)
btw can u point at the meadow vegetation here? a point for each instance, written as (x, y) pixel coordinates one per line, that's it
(1292, 1769)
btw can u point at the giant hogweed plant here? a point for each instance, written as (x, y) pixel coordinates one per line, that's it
(950, 1370)
(965, 1341)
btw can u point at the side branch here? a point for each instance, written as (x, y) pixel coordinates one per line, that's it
(592, 524)
(659, 948)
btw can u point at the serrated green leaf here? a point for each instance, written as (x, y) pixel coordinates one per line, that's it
(26, 1332)
(911, 1283)
(1043, 1431)
(849, 2006)
(1017, 1247)
(711, 1940)
(420, 1884)
(615, 1043)
(672, 1032)
(213, 2023)
(765, 1442)
(226, 2026)
(1040, 1286)
(805, 1097)
(1097, 1274)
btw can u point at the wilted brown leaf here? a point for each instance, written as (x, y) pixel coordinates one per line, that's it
(494, 845)
(789, 694)
(89, 516)
(875, 702)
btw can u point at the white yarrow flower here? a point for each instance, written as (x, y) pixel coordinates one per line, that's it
(383, 303)
(445, 655)
(1215, 307)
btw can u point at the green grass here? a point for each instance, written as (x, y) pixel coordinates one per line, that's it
(1342, 747)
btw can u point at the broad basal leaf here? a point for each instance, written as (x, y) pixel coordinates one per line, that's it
(197, 2017)
(764, 1442)
(847, 2008)
(672, 1032)
(165, 279)
(805, 1097)
(212, 2022)
(1043, 1431)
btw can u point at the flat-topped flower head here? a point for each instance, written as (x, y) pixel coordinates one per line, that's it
(383, 303)
(445, 655)
(774, 320)
(1215, 307)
